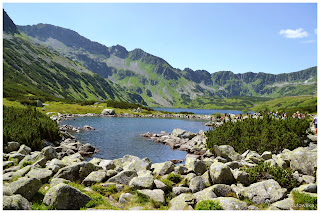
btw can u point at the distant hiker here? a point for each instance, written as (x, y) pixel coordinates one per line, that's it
(315, 123)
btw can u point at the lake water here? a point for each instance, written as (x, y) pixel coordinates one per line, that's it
(199, 111)
(116, 136)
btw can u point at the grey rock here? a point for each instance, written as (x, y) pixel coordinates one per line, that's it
(253, 157)
(196, 166)
(285, 204)
(41, 174)
(65, 197)
(221, 173)
(160, 185)
(96, 161)
(268, 191)
(266, 155)
(124, 197)
(107, 164)
(189, 176)
(181, 169)
(76, 172)
(156, 194)
(308, 179)
(231, 203)
(95, 177)
(25, 150)
(181, 202)
(180, 133)
(241, 177)
(118, 186)
(49, 152)
(27, 187)
(206, 178)
(108, 112)
(234, 164)
(144, 182)
(180, 190)
(196, 184)
(16, 157)
(7, 164)
(72, 159)
(56, 181)
(205, 194)
(133, 163)
(11, 146)
(162, 168)
(15, 202)
(227, 152)
(222, 190)
(123, 177)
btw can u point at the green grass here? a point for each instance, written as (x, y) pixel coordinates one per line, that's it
(208, 205)
(304, 201)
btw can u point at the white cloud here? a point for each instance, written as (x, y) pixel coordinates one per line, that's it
(298, 33)
(307, 41)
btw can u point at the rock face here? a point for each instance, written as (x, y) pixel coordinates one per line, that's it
(108, 112)
(65, 197)
(15, 202)
(205, 194)
(196, 166)
(27, 187)
(221, 190)
(221, 173)
(162, 168)
(134, 163)
(124, 177)
(107, 164)
(268, 191)
(180, 190)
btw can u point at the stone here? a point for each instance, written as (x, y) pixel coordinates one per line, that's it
(227, 152)
(182, 202)
(136, 208)
(220, 159)
(268, 191)
(133, 163)
(205, 194)
(311, 188)
(41, 174)
(25, 150)
(196, 184)
(180, 133)
(86, 149)
(56, 181)
(65, 197)
(189, 176)
(54, 165)
(221, 173)
(11, 146)
(124, 177)
(308, 179)
(21, 172)
(144, 182)
(162, 168)
(196, 166)
(241, 177)
(72, 159)
(285, 204)
(234, 164)
(252, 207)
(107, 164)
(16, 202)
(206, 178)
(179, 190)
(118, 186)
(27, 187)
(124, 197)
(76, 172)
(181, 169)
(160, 185)
(231, 203)
(49, 152)
(303, 160)
(108, 112)
(96, 161)
(266, 155)
(156, 195)
(253, 157)
(7, 164)
(95, 177)
(17, 157)
(222, 190)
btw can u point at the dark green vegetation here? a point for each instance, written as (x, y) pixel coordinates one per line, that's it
(265, 171)
(159, 84)
(125, 105)
(174, 178)
(28, 126)
(262, 134)
(304, 201)
(208, 205)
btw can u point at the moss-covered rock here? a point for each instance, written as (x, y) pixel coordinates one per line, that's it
(15, 202)
(27, 187)
(221, 173)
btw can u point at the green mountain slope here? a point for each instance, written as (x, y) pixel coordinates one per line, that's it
(157, 82)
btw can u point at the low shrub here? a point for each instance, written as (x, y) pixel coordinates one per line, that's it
(208, 205)
(28, 126)
(304, 201)
(174, 178)
(261, 134)
(265, 171)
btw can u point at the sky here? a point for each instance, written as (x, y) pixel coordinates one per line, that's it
(238, 37)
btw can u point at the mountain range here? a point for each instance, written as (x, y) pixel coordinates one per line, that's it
(62, 63)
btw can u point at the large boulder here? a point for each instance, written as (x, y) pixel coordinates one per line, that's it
(65, 197)
(222, 190)
(76, 172)
(156, 194)
(25, 150)
(27, 187)
(56, 181)
(160, 185)
(285, 204)
(180, 133)
(72, 159)
(54, 165)
(49, 152)
(241, 177)
(107, 164)
(123, 177)
(87, 149)
(95, 177)
(206, 178)
(162, 168)
(253, 157)
(182, 202)
(303, 160)
(11, 146)
(268, 191)
(133, 163)
(197, 184)
(231, 203)
(15, 202)
(227, 152)
(180, 190)
(144, 182)
(196, 166)
(41, 174)
(221, 173)
(205, 194)
(108, 112)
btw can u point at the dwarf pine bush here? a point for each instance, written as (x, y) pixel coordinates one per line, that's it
(28, 126)
(261, 134)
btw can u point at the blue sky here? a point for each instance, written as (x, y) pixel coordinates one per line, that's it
(271, 38)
